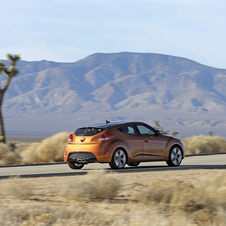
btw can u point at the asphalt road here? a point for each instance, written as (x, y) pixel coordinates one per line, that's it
(217, 161)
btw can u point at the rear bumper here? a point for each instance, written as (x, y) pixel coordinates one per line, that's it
(82, 157)
(84, 152)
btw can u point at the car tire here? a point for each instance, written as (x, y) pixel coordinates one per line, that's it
(119, 159)
(133, 163)
(74, 165)
(175, 156)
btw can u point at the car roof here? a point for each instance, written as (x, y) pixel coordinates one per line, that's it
(109, 124)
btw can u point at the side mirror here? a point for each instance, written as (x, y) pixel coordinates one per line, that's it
(157, 132)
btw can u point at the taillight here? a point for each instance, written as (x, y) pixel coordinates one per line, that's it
(106, 136)
(70, 138)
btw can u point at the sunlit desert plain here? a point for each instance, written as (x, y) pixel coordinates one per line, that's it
(192, 197)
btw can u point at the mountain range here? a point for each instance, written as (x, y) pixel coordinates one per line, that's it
(183, 95)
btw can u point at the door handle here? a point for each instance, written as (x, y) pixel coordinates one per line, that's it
(145, 141)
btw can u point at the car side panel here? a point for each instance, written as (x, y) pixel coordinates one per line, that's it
(124, 145)
(154, 147)
(135, 146)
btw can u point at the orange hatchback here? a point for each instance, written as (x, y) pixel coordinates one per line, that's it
(121, 143)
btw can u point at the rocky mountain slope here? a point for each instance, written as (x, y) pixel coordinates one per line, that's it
(184, 95)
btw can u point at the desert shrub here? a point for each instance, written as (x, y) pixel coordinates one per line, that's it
(21, 146)
(95, 185)
(168, 191)
(8, 155)
(19, 188)
(27, 214)
(211, 191)
(205, 200)
(30, 154)
(75, 215)
(106, 185)
(204, 144)
(49, 150)
(80, 190)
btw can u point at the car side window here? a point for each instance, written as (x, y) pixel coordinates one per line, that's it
(144, 130)
(127, 130)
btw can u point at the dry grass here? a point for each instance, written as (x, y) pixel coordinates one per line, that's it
(49, 150)
(204, 144)
(19, 188)
(95, 185)
(145, 197)
(8, 156)
(204, 202)
(77, 214)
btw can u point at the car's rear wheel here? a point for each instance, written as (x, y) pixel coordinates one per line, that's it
(74, 165)
(175, 156)
(133, 163)
(119, 159)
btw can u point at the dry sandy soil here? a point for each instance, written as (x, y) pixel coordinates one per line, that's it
(50, 188)
(44, 201)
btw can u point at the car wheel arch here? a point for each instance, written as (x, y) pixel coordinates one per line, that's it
(171, 145)
(119, 158)
(122, 145)
(176, 145)
(123, 150)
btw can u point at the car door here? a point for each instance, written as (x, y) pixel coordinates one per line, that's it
(135, 143)
(154, 145)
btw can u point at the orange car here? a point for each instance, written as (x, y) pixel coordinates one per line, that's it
(121, 143)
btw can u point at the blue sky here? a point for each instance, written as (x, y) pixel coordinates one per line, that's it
(69, 30)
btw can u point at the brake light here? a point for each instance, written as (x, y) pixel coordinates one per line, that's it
(70, 138)
(106, 136)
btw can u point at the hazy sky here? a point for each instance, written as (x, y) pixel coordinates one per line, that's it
(69, 30)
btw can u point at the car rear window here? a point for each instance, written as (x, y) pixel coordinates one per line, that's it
(88, 131)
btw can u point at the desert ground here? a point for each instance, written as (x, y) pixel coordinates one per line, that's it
(192, 197)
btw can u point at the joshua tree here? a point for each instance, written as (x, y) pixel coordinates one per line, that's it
(9, 73)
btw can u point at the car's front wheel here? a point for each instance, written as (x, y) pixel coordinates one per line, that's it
(74, 165)
(119, 159)
(175, 156)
